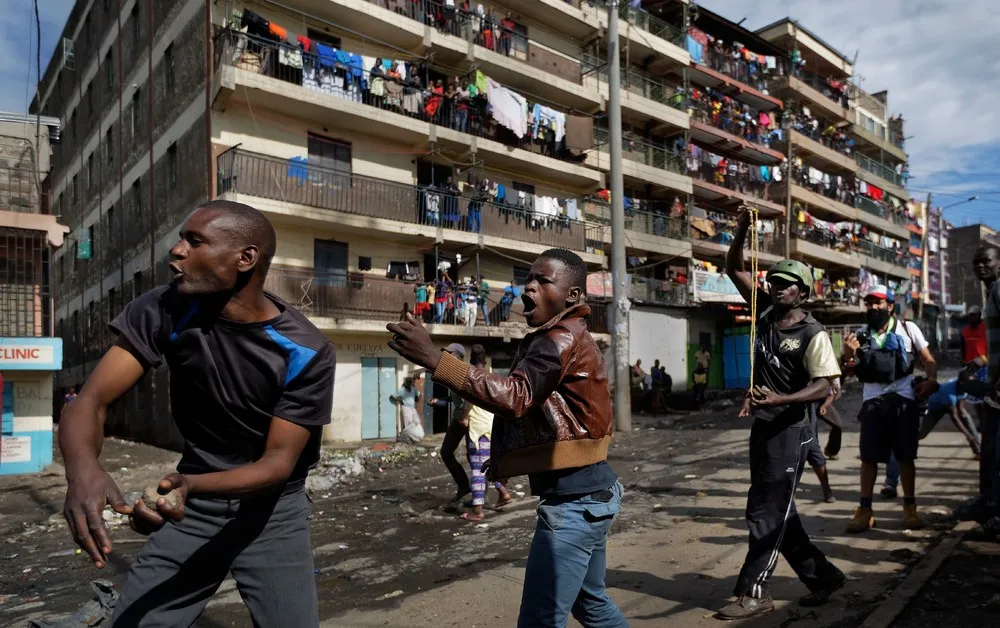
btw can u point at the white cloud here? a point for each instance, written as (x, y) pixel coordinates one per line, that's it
(937, 59)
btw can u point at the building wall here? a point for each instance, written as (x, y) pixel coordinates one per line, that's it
(962, 285)
(660, 334)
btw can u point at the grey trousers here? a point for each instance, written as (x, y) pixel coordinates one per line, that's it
(263, 542)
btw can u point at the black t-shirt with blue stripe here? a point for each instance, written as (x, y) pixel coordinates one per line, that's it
(228, 379)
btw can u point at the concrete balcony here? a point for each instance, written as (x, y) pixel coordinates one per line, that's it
(642, 163)
(240, 83)
(363, 303)
(832, 160)
(881, 175)
(648, 36)
(508, 57)
(809, 90)
(646, 231)
(301, 195)
(722, 142)
(867, 255)
(842, 211)
(731, 193)
(647, 101)
(879, 142)
(772, 249)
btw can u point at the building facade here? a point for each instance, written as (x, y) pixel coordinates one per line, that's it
(404, 146)
(963, 287)
(30, 353)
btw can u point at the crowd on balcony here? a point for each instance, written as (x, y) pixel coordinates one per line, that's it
(836, 90)
(447, 206)
(836, 187)
(730, 173)
(468, 20)
(817, 128)
(713, 107)
(732, 59)
(466, 302)
(658, 217)
(719, 227)
(849, 237)
(470, 103)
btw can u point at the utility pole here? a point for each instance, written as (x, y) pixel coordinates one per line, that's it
(924, 279)
(944, 285)
(619, 273)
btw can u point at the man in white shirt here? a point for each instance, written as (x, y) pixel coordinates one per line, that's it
(883, 357)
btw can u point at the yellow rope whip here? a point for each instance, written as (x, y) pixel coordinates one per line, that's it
(754, 257)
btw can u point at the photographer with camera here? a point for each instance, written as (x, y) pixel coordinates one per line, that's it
(883, 356)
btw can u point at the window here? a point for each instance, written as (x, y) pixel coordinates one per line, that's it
(61, 269)
(108, 141)
(107, 6)
(330, 154)
(111, 223)
(72, 191)
(90, 99)
(90, 171)
(112, 307)
(76, 255)
(136, 200)
(109, 70)
(136, 29)
(172, 163)
(324, 38)
(521, 275)
(168, 66)
(527, 188)
(93, 243)
(136, 114)
(75, 332)
(136, 284)
(91, 319)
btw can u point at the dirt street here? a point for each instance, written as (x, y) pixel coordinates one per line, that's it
(388, 553)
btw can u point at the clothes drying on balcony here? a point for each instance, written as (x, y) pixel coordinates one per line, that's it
(509, 108)
(545, 121)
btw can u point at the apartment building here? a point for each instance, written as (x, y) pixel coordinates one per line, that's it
(962, 285)
(30, 353)
(403, 146)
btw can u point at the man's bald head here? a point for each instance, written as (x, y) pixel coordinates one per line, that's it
(246, 226)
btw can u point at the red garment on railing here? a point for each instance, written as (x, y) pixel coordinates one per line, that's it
(875, 193)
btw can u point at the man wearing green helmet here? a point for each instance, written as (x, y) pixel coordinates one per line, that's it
(794, 365)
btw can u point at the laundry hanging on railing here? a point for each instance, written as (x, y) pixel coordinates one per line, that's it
(510, 109)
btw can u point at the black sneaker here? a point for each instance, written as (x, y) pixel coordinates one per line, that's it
(889, 492)
(822, 596)
(829, 497)
(745, 607)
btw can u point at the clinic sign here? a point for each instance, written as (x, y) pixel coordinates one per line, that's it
(30, 354)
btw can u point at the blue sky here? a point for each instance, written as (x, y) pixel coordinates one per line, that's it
(940, 72)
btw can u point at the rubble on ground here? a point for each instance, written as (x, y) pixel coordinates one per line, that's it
(340, 466)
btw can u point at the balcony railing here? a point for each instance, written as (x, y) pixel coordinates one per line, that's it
(485, 30)
(637, 218)
(746, 72)
(20, 190)
(772, 243)
(647, 21)
(362, 296)
(841, 97)
(660, 291)
(383, 89)
(745, 178)
(829, 239)
(896, 257)
(637, 82)
(641, 150)
(298, 182)
(879, 170)
(732, 117)
(866, 204)
(25, 288)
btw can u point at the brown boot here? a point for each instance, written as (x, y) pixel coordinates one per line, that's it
(911, 520)
(863, 520)
(746, 607)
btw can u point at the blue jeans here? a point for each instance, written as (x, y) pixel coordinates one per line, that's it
(892, 473)
(566, 564)
(475, 220)
(439, 308)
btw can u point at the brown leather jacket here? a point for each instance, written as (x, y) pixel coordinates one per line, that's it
(554, 409)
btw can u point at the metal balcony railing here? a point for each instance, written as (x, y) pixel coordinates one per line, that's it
(885, 211)
(637, 218)
(659, 291)
(733, 118)
(637, 82)
(20, 190)
(743, 180)
(822, 85)
(880, 170)
(485, 30)
(364, 296)
(647, 21)
(640, 150)
(25, 286)
(737, 68)
(413, 97)
(896, 257)
(298, 182)
(772, 243)
(829, 239)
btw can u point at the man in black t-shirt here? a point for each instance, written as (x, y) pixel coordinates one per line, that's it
(251, 386)
(794, 365)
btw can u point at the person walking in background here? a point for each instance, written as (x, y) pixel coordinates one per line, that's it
(703, 362)
(479, 425)
(510, 293)
(442, 292)
(986, 265)
(407, 399)
(484, 300)
(456, 433)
